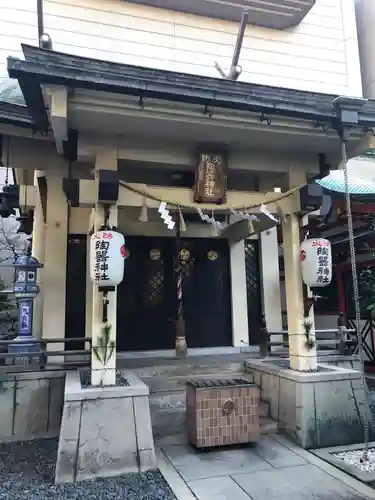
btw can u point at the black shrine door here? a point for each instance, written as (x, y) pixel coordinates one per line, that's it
(75, 302)
(207, 294)
(147, 296)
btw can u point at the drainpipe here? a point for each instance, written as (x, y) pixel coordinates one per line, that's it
(44, 39)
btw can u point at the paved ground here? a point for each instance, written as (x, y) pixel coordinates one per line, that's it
(274, 469)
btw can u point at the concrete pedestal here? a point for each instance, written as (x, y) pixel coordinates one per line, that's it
(316, 409)
(104, 431)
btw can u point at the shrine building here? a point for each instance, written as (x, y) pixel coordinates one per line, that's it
(183, 162)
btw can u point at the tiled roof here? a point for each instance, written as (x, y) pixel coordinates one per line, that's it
(10, 92)
(358, 186)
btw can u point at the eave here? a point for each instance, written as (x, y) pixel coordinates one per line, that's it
(45, 67)
(16, 115)
(276, 14)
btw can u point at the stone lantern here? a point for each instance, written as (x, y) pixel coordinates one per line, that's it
(25, 289)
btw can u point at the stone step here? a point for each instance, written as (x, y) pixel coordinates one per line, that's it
(225, 370)
(178, 382)
(166, 379)
(173, 423)
(163, 402)
(267, 426)
(170, 367)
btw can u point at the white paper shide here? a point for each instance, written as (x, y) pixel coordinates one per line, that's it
(107, 255)
(316, 262)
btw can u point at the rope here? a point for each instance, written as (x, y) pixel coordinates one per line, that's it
(146, 193)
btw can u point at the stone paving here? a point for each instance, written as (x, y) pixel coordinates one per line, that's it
(273, 469)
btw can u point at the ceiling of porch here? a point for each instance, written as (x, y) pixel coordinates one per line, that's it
(150, 119)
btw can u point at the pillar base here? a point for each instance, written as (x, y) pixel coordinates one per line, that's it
(105, 431)
(181, 347)
(180, 344)
(316, 410)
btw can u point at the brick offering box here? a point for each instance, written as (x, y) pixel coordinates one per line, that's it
(222, 412)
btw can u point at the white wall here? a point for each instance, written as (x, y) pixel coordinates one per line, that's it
(365, 10)
(319, 55)
(18, 24)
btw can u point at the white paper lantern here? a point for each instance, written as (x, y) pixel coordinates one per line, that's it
(316, 262)
(107, 255)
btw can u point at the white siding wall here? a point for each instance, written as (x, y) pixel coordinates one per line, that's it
(18, 24)
(319, 55)
(366, 35)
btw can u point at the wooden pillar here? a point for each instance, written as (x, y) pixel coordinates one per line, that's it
(37, 250)
(302, 358)
(106, 159)
(54, 271)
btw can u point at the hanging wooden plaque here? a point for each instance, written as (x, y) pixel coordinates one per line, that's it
(211, 178)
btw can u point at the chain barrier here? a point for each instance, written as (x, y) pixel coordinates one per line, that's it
(344, 164)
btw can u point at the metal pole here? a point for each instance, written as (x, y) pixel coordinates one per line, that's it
(239, 41)
(39, 9)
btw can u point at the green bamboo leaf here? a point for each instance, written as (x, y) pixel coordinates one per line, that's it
(105, 348)
(101, 343)
(111, 348)
(97, 354)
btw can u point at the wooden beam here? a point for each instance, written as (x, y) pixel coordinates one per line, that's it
(28, 196)
(59, 116)
(244, 228)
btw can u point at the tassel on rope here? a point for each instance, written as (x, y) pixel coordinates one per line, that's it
(182, 221)
(143, 217)
(263, 208)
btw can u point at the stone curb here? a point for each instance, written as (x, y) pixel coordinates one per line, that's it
(338, 474)
(180, 489)
(327, 454)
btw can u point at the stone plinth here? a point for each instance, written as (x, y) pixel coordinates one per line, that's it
(104, 431)
(316, 409)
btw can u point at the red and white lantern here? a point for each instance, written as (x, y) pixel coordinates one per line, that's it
(316, 262)
(107, 255)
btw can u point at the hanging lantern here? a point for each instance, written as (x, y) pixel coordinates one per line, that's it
(107, 255)
(316, 262)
